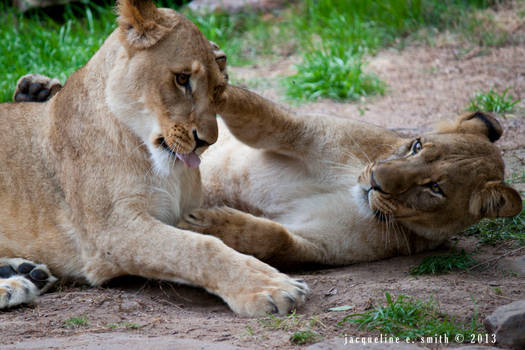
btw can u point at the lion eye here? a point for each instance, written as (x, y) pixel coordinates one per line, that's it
(416, 147)
(434, 187)
(182, 79)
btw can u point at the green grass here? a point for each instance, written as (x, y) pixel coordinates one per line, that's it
(127, 325)
(76, 322)
(495, 231)
(285, 323)
(406, 317)
(322, 75)
(38, 44)
(335, 36)
(304, 337)
(445, 263)
(492, 101)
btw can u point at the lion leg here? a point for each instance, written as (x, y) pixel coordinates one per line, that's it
(263, 124)
(21, 281)
(36, 88)
(265, 239)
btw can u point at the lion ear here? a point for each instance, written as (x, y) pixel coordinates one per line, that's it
(138, 23)
(480, 123)
(496, 199)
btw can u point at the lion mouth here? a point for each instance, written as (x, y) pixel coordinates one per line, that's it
(378, 214)
(191, 160)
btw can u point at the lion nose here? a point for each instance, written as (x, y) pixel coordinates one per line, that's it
(198, 141)
(374, 184)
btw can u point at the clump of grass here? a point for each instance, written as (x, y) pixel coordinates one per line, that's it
(492, 101)
(413, 318)
(127, 325)
(445, 263)
(495, 231)
(76, 322)
(304, 337)
(323, 75)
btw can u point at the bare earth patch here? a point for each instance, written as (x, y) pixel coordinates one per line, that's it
(425, 84)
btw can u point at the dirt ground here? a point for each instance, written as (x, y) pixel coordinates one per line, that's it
(425, 84)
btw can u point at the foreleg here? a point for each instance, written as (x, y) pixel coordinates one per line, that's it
(265, 239)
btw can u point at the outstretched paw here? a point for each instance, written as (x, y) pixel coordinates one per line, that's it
(21, 281)
(264, 290)
(35, 88)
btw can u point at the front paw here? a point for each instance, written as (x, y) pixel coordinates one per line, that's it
(260, 290)
(35, 88)
(200, 220)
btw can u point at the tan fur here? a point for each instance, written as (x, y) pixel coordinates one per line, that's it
(312, 176)
(88, 188)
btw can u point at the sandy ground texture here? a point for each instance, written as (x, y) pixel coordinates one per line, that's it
(425, 84)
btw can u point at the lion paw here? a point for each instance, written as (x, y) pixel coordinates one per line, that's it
(21, 281)
(35, 88)
(264, 290)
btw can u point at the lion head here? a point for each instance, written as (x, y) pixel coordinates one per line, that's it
(164, 82)
(440, 183)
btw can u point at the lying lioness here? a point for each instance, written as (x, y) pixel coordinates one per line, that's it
(336, 191)
(93, 181)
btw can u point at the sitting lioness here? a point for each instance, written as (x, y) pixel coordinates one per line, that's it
(93, 181)
(291, 189)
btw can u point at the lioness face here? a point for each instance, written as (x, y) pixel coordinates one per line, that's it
(165, 92)
(438, 184)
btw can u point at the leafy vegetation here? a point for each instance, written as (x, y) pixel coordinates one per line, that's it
(492, 101)
(323, 75)
(494, 231)
(76, 322)
(304, 337)
(445, 263)
(405, 317)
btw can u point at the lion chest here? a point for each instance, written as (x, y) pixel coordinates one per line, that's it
(172, 196)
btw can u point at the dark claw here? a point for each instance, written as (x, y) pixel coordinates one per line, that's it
(7, 271)
(34, 89)
(25, 268)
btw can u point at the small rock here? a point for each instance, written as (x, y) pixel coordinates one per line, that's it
(236, 6)
(515, 264)
(129, 306)
(508, 323)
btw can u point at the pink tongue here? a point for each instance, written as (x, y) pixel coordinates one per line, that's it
(191, 160)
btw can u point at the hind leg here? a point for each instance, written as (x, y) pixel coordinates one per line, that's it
(21, 281)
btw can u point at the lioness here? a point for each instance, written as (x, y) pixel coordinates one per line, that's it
(93, 181)
(291, 189)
